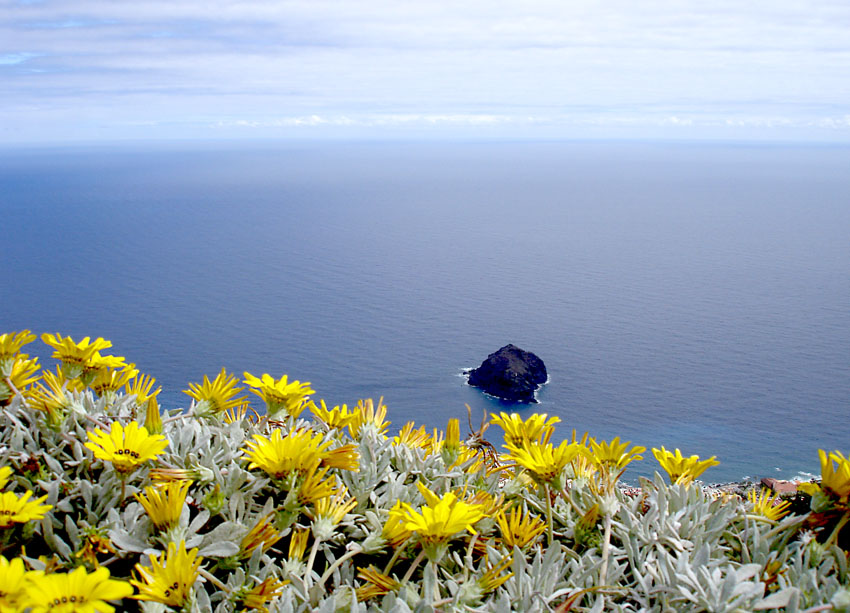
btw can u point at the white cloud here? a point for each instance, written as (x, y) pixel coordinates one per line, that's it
(487, 63)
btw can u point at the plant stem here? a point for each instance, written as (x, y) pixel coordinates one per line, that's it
(308, 573)
(212, 579)
(176, 417)
(413, 566)
(347, 556)
(834, 536)
(396, 554)
(550, 531)
(606, 548)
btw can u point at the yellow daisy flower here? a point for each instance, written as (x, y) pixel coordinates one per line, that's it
(164, 503)
(127, 448)
(216, 396)
(49, 395)
(262, 534)
(344, 457)
(451, 446)
(238, 413)
(20, 510)
(545, 462)
(170, 577)
(537, 428)
(494, 578)
(441, 518)
(280, 455)
(298, 544)
(279, 394)
(261, 594)
(337, 417)
(376, 584)
(5, 473)
(328, 512)
(153, 418)
(11, 343)
(112, 378)
(395, 530)
(835, 477)
(141, 387)
(368, 416)
(77, 592)
(75, 357)
(682, 470)
(316, 485)
(14, 580)
(769, 506)
(614, 455)
(411, 436)
(23, 374)
(519, 528)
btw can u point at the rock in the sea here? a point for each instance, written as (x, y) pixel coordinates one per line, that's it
(511, 374)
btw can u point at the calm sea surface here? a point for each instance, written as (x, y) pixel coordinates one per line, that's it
(692, 296)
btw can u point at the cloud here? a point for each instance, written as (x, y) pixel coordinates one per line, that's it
(12, 59)
(491, 62)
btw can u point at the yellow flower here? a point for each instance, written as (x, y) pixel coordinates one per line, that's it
(519, 528)
(164, 503)
(5, 473)
(261, 594)
(170, 577)
(141, 387)
(165, 475)
(153, 418)
(280, 455)
(537, 428)
(682, 470)
(262, 534)
(441, 518)
(77, 592)
(345, 457)
(23, 373)
(614, 455)
(20, 510)
(11, 343)
(238, 413)
(113, 377)
(769, 505)
(836, 479)
(316, 486)
(377, 584)
(328, 512)
(278, 394)
(75, 357)
(411, 436)
(337, 417)
(395, 531)
(126, 448)
(451, 446)
(493, 578)
(14, 579)
(367, 416)
(51, 398)
(545, 462)
(216, 396)
(298, 544)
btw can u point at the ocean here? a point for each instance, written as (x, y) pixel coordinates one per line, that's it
(691, 295)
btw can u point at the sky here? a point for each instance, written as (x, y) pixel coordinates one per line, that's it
(87, 70)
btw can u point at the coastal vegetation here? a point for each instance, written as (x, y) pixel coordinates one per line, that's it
(109, 502)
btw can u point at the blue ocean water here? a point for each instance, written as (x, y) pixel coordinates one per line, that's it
(687, 295)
